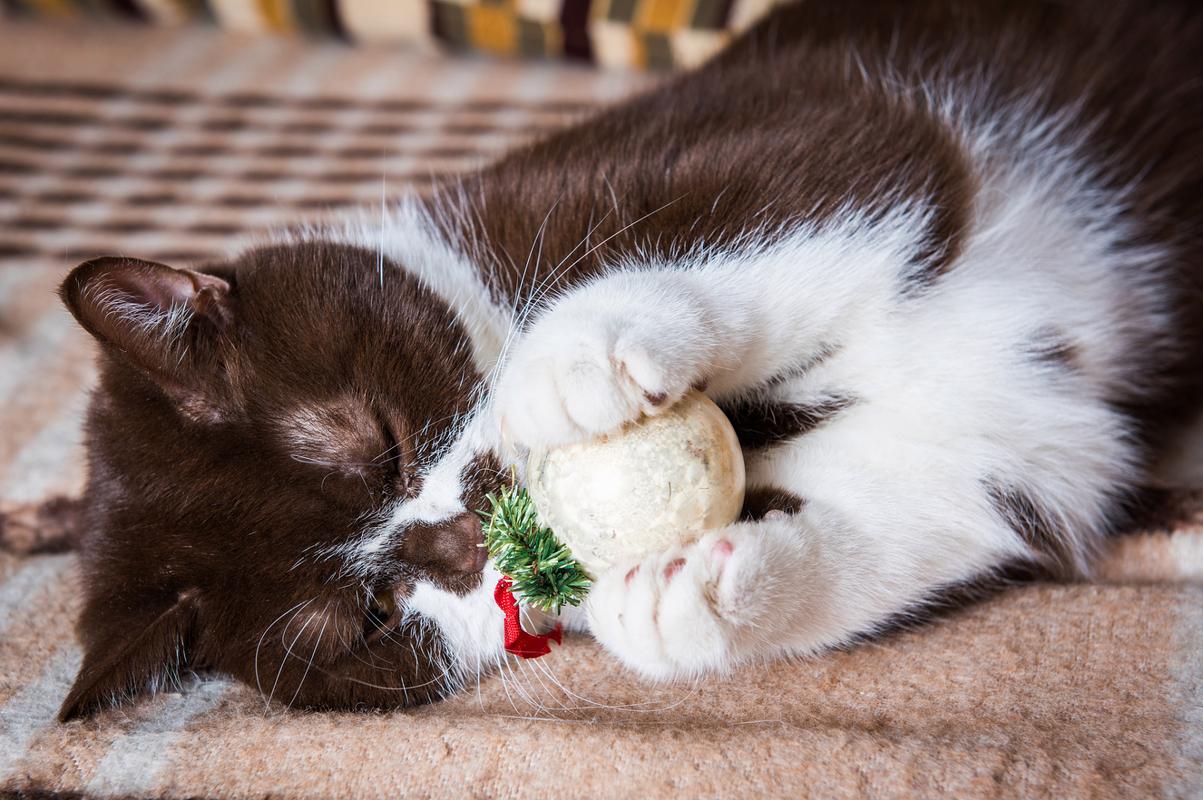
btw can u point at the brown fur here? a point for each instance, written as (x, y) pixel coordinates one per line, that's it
(676, 165)
(761, 423)
(50, 527)
(205, 487)
(760, 500)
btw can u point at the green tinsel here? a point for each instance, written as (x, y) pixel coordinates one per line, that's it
(541, 567)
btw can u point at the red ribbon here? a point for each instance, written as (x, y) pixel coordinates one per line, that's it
(518, 641)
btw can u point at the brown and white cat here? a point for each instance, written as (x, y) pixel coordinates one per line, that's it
(941, 262)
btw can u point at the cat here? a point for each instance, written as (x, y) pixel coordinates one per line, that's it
(941, 264)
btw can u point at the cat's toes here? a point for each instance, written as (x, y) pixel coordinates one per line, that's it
(654, 384)
(576, 388)
(705, 607)
(530, 404)
(661, 616)
(543, 402)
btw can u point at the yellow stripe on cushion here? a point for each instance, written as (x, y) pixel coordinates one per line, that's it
(53, 8)
(493, 29)
(662, 16)
(278, 15)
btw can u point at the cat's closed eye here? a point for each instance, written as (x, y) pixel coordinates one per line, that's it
(380, 615)
(396, 461)
(355, 453)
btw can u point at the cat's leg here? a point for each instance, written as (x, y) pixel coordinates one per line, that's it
(634, 341)
(798, 581)
(874, 512)
(955, 447)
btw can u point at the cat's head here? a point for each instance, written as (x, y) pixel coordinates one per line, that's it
(283, 481)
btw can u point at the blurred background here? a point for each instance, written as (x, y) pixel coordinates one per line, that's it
(658, 34)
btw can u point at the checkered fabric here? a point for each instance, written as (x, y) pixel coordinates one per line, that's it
(174, 145)
(656, 34)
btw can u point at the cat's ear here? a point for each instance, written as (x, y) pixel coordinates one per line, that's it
(139, 656)
(167, 321)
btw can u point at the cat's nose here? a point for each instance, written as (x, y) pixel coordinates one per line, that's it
(453, 545)
(471, 534)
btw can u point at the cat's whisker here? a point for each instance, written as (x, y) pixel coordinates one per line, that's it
(528, 667)
(312, 656)
(524, 687)
(404, 688)
(537, 241)
(258, 684)
(524, 307)
(555, 274)
(646, 706)
(513, 682)
(414, 435)
(503, 679)
(287, 652)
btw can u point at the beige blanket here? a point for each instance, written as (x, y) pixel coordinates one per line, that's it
(170, 145)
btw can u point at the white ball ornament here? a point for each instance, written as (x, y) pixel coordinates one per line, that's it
(660, 481)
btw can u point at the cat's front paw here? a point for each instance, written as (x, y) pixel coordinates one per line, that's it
(585, 369)
(702, 608)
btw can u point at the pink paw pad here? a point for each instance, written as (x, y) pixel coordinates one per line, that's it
(722, 550)
(673, 568)
(631, 573)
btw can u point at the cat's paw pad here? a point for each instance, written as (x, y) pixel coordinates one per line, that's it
(679, 613)
(705, 607)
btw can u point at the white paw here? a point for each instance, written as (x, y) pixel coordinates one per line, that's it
(592, 364)
(702, 608)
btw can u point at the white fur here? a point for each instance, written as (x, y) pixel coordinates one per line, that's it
(470, 625)
(168, 324)
(947, 399)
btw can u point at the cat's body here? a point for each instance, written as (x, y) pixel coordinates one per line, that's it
(941, 263)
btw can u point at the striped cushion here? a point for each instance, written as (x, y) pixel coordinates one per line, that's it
(655, 34)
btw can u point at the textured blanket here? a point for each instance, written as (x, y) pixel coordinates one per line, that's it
(172, 144)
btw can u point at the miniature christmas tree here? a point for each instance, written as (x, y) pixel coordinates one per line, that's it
(541, 568)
